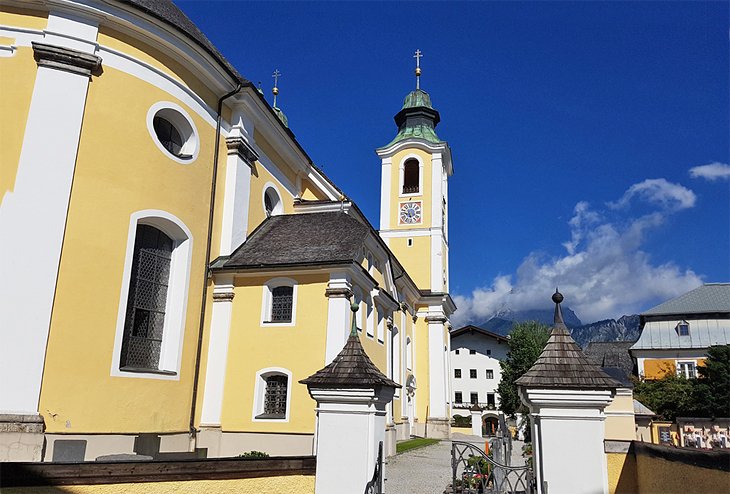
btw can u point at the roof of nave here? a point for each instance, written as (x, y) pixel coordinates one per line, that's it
(709, 298)
(611, 354)
(562, 364)
(469, 329)
(300, 240)
(168, 12)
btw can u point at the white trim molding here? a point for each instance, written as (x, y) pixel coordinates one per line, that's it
(177, 294)
(267, 299)
(260, 392)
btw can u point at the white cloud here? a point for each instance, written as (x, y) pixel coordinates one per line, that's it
(711, 171)
(658, 192)
(605, 273)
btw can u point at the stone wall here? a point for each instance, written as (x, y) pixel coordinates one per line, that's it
(644, 468)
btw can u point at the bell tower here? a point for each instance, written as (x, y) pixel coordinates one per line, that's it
(415, 167)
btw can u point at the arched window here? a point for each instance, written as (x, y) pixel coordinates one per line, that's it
(272, 394)
(272, 201)
(147, 299)
(279, 302)
(411, 178)
(151, 317)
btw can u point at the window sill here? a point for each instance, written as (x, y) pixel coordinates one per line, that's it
(270, 416)
(140, 370)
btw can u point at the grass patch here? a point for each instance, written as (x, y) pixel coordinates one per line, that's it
(420, 442)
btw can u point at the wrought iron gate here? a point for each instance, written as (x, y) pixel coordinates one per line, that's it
(375, 486)
(474, 472)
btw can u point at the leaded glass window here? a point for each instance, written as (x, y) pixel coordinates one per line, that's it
(275, 397)
(281, 303)
(169, 136)
(147, 299)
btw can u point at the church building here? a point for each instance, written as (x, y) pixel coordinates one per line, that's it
(172, 263)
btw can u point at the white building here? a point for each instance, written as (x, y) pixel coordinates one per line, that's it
(475, 370)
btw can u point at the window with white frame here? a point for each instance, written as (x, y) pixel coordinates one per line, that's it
(411, 176)
(683, 328)
(272, 395)
(457, 397)
(272, 200)
(173, 131)
(490, 374)
(279, 302)
(151, 318)
(474, 398)
(687, 369)
(457, 373)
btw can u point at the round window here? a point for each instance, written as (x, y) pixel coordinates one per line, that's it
(173, 132)
(272, 202)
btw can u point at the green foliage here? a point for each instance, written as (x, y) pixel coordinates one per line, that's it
(479, 465)
(707, 396)
(420, 442)
(712, 389)
(527, 340)
(461, 421)
(254, 454)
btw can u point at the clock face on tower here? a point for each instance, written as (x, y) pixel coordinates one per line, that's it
(410, 212)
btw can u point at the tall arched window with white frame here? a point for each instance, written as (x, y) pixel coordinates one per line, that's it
(411, 176)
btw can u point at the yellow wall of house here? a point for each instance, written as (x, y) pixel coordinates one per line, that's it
(79, 394)
(27, 18)
(658, 368)
(416, 259)
(174, 68)
(17, 78)
(310, 192)
(621, 427)
(300, 484)
(251, 348)
(396, 188)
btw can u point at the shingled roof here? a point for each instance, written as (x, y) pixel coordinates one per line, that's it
(710, 298)
(562, 363)
(300, 240)
(351, 368)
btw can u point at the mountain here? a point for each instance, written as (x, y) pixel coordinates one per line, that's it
(501, 322)
(625, 328)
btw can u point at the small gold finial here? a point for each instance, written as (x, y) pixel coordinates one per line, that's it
(275, 90)
(418, 56)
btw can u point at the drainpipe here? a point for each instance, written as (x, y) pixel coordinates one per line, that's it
(206, 274)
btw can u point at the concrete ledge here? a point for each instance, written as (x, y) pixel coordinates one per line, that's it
(91, 473)
(21, 423)
(616, 446)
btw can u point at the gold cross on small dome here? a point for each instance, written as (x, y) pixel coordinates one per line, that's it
(418, 56)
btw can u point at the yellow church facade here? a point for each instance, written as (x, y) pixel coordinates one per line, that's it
(173, 263)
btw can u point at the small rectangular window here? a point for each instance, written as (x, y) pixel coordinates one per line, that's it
(490, 400)
(687, 370)
(472, 373)
(472, 352)
(281, 303)
(457, 397)
(457, 373)
(489, 352)
(410, 242)
(456, 351)
(490, 374)
(474, 398)
(683, 328)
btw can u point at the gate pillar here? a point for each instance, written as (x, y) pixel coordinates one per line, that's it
(476, 420)
(566, 395)
(352, 396)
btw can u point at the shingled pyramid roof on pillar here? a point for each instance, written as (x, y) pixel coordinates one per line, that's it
(351, 368)
(562, 363)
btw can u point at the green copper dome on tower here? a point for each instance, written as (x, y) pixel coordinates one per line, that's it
(417, 118)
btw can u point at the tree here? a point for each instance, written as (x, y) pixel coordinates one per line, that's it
(669, 397)
(527, 340)
(712, 389)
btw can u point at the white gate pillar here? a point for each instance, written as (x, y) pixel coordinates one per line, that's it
(566, 395)
(352, 396)
(476, 420)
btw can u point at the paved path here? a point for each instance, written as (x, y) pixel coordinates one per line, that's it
(428, 470)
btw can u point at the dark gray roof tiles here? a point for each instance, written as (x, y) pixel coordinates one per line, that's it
(470, 329)
(300, 239)
(708, 298)
(351, 368)
(562, 363)
(168, 12)
(611, 354)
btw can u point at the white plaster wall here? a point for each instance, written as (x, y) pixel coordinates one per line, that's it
(480, 361)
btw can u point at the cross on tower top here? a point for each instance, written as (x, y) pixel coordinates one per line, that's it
(275, 90)
(418, 56)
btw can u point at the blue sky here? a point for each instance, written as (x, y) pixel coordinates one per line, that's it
(573, 126)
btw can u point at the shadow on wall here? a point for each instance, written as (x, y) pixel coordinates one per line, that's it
(650, 468)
